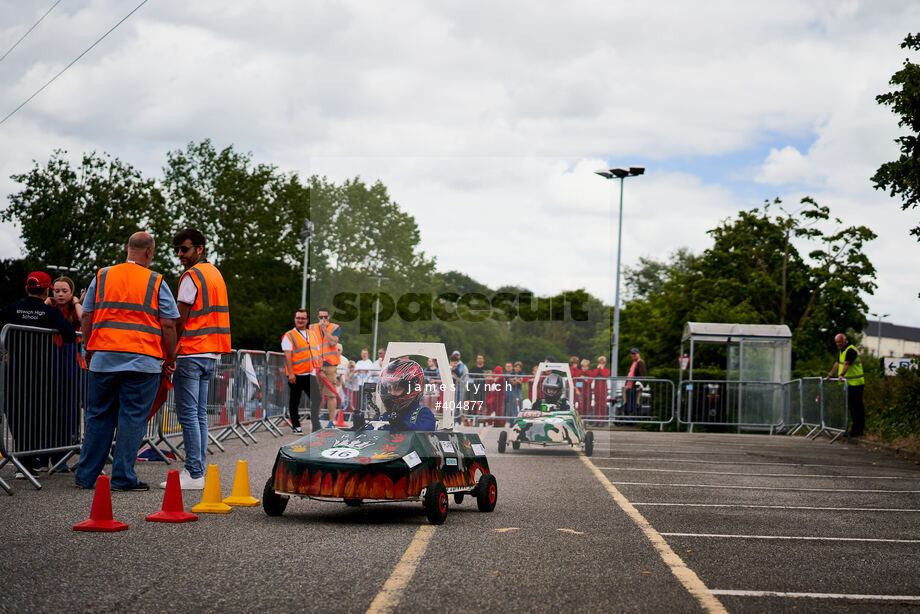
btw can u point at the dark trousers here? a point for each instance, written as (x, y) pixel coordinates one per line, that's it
(857, 410)
(304, 384)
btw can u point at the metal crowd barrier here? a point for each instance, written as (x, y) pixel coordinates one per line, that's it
(751, 405)
(644, 400)
(43, 395)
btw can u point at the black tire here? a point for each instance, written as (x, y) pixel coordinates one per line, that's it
(458, 498)
(272, 502)
(589, 443)
(353, 502)
(502, 441)
(436, 503)
(516, 445)
(486, 493)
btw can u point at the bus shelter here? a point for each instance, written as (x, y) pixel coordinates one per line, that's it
(758, 360)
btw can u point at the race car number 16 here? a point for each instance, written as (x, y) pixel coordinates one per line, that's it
(340, 453)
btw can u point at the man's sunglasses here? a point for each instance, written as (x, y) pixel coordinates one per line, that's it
(181, 249)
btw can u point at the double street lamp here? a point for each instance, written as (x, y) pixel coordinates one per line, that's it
(878, 345)
(621, 174)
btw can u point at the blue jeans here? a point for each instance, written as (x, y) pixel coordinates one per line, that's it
(190, 390)
(122, 399)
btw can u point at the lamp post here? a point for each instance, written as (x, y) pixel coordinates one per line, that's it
(379, 278)
(306, 234)
(878, 345)
(621, 174)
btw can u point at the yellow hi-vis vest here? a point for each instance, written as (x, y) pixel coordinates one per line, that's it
(854, 375)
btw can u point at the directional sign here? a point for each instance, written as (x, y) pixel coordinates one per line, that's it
(892, 364)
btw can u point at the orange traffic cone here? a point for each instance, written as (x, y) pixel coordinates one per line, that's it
(340, 419)
(240, 495)
(173, 509)
(100, 516)
(210, 499)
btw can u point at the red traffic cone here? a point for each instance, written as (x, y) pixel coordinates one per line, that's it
(340, 419)
(100, 516)
(173, 509)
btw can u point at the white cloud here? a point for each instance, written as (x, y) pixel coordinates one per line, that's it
(486, 121)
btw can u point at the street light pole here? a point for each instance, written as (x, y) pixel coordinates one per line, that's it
(306, 234)
(379, 278)
(878, 345)
(621, 174)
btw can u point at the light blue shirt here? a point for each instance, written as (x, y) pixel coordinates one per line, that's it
(109, 362)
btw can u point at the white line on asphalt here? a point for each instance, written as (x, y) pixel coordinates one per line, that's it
(797, 537)
(854, 596)
(684, 574)
(764, 487)
(766, 475)
(388, 597)
(709, 462)
(784, 507)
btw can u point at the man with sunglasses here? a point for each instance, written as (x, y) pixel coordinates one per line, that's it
(327, 335)
(204, 334)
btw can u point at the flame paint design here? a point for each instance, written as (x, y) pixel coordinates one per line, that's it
(367, 483)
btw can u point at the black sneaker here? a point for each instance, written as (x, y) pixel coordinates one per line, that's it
(81, 486)
(137, 486)
(297, 430)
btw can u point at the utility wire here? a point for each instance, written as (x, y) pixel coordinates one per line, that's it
(99, 40)
(30, 29)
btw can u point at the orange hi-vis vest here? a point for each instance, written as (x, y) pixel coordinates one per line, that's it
(126, 317)
(304, 353)
(207, 330)
(330, 350)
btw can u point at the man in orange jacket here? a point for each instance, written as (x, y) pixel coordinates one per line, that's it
(129, 319)
(301, 361)
(204, 334)
(327, 337)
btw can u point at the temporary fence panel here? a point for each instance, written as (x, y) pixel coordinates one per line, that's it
(274, 388)
(43, 393)
(835, 413)
(249, 378)
(643, 401)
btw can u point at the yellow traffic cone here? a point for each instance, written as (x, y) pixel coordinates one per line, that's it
(241, 495)
(210, 500)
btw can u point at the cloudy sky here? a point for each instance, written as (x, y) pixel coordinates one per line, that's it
(486, 120)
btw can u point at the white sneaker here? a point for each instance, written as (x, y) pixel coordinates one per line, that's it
(187, 482)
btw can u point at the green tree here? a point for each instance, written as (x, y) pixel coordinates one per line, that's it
(901, 177)
(82, 218)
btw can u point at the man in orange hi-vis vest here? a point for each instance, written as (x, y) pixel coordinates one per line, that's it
(129, 318)
(301, 359)
(327, 336)
(204, 334)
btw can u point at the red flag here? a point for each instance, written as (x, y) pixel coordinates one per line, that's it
(162, 393)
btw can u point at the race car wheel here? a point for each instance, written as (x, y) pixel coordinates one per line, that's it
(458, 498)
(353, 502)
(486, 493)
(589, 443)
(516, 445)
(436, 503)
(272, 502)
(502, 441)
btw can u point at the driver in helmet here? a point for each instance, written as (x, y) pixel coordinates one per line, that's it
(401, 388)
(552, 394)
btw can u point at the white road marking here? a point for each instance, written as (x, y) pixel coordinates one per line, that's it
(684, 574)
(854, 596)
(796, 538)
(572, 531)
(709, 462)
(765, 475)
(764, 487)
(507, 529)
(784, 507)
(391, 592)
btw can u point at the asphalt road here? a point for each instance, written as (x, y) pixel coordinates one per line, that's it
(764, 524)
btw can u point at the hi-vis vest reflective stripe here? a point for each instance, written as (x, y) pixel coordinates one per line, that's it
(126, 317)
(854, 375)
(207, 329)
(303, 354)
(330, 350)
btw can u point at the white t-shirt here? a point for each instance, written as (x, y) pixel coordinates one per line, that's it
(188, 292)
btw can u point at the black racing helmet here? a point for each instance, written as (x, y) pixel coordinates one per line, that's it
(552, 388)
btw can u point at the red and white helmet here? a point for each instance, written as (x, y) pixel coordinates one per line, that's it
(401, 385)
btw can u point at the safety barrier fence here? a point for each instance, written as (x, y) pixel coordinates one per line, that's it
(43, 391)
